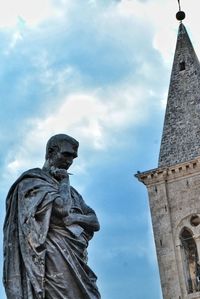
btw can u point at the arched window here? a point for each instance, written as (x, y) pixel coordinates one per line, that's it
(190, 258)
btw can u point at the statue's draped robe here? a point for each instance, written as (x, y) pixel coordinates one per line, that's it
(42, 258)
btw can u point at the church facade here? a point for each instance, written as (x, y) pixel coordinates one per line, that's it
(174, 186)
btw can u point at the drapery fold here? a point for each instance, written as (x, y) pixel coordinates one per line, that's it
(42, 259)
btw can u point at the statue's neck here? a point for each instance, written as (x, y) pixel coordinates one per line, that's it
(46, 167)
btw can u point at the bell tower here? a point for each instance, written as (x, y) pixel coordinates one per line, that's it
(174, 187)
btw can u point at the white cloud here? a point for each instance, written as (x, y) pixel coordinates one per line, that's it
(161, 16)
(32, 12)
(16, 37)
(93, 115)
(87, 116)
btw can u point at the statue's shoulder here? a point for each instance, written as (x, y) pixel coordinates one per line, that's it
(35, 173)
(31, 174)
(75, 193)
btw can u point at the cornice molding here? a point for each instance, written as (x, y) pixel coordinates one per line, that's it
(175, 172)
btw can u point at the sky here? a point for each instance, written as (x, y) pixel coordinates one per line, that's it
(97, 70)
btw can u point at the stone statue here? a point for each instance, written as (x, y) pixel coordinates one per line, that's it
(46, 231)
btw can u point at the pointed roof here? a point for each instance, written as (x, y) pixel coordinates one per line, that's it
(181, 133)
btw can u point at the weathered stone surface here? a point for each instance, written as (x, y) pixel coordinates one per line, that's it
(47, 230)
(181, 132)
(174, 199)
(174, 187)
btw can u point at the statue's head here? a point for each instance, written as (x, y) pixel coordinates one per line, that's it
(61, 149)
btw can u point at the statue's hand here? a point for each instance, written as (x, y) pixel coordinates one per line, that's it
(72, 225)
(71, 219)
(59, 174)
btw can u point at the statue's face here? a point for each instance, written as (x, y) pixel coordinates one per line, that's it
(63, 157)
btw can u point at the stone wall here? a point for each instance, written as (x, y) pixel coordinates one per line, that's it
(174, 197)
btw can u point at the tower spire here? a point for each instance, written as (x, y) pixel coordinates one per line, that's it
(174, 186)
(181, 132)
